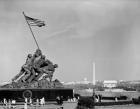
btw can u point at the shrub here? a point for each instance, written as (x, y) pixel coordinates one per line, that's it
(85, 102)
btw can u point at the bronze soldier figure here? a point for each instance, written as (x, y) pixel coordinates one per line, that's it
(25, 69)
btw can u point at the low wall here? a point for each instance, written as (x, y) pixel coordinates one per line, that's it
(129, 94)
(113, 103)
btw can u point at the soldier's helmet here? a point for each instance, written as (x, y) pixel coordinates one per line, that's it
(29, 55)
(43, 57)
(55, 65)
(38, 52)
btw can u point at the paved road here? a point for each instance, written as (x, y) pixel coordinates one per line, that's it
(72, 105)
(66, 105)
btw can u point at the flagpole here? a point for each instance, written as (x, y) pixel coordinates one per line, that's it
(31, 31)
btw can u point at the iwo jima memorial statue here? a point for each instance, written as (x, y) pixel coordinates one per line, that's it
(35, 77)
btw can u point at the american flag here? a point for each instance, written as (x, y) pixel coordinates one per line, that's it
(34, 22)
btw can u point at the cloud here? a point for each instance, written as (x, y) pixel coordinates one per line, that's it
(69, 29)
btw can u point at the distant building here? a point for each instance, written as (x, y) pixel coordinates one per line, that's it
(134, 82)
(110, 83)
(69, 83)
(85, 81)
(114, 90)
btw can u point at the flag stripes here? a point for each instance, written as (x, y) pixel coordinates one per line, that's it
(34, 22)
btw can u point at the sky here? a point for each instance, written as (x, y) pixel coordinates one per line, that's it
(77, 33)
